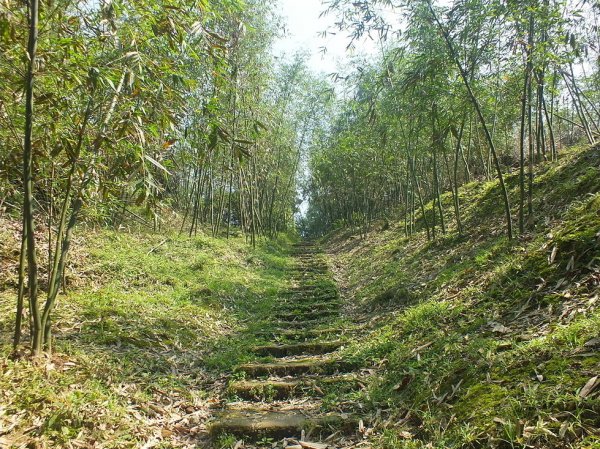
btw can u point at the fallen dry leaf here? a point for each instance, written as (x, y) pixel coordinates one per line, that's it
(406, 434)
(589, 387)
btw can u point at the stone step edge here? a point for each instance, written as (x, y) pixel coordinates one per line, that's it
(282, 388)
(308, 347)
(278, 425)
(285, 367)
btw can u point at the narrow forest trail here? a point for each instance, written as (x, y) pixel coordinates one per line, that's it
(281, 396)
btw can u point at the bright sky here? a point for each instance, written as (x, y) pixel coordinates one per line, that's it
(303, 28)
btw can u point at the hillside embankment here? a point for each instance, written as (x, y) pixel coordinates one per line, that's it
(475, 340)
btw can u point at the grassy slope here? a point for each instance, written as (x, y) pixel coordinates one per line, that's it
(480, 342)
(137, 341)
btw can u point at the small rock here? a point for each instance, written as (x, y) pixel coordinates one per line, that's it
(593, 343)
(499, 328)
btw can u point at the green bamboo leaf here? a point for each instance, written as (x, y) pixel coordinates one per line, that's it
(157, 164)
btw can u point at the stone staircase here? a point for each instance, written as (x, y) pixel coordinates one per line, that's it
(281, 397)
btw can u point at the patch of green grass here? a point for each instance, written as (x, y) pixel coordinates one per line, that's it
(226, 441)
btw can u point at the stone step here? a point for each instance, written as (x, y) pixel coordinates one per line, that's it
(314, 264)
(309, 295)
(304, 277)
(311, 264)
(298, 334)
(309, 315)
(306, 318)
(277, 389)
(306, 314)
(292, 302)
(306, 253)
(300, 322)
(293, 305)
(308, 328)
(257, 423)
(309, 287)
(310, 271)
(314, 294)
(292, 367)
(285, 301)
(307, 348)
(308, 276)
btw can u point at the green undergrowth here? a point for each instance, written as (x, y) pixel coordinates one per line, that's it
(136, 338)
(478, 341)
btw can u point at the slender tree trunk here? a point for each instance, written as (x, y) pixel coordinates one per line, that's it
(542, 113)
(550, 117)
(407, 203)
(416, 184)
(455, 187)
(195, 195)
(50, 214)
(28, 160)
(66, 244)
(527, 80)
(189, 198)
(550, 130)
(465, 157)
(437, 144)
(21, 288)
(530, 132)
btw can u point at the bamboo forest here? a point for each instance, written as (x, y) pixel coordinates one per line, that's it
(300, 224)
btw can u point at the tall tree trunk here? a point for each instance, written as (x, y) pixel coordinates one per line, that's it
(437, 144)
(416, 185)
(527, 80)
(530, 133)
(455, 196)
(21, 288)
(406, 199)
(29, 228)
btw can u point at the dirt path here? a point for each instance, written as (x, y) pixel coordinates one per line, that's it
(280, 397)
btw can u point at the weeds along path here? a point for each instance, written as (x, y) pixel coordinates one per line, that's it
(280, 396)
